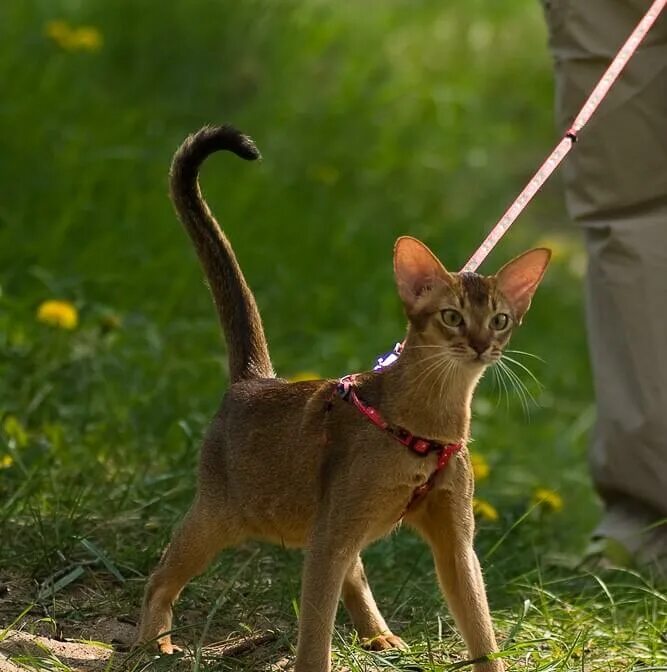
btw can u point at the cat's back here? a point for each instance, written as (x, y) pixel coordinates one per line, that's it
(277, 400)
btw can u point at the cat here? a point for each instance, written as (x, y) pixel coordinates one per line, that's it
(294, 464)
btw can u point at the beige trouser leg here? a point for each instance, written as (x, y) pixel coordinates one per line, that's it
(616, 189)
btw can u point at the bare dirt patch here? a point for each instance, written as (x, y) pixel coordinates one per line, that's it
(20, 650)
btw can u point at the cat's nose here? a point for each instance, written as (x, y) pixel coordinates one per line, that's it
(479, 346)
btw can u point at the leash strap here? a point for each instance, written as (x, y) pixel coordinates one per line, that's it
(566, 144)
(557, 155)
(345, 387)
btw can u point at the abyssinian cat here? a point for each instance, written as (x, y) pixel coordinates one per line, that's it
(295, 464)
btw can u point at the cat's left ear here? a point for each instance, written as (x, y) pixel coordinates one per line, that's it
(417, 271)
(519, 278)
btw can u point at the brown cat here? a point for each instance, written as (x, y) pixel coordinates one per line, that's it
(295, 464)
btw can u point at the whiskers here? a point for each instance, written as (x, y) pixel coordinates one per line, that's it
(526, 354)
(439, 366)
(506, 372)
(436, 370)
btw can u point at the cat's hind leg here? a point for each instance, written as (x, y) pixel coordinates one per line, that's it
(366, 617)
(203, 533)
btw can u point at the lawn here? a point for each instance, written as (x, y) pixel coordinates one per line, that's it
(375, 119)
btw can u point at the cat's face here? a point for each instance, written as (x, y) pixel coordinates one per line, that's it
(464, 317)
(468, 317)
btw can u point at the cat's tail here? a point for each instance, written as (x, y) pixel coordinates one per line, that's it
(237, 310)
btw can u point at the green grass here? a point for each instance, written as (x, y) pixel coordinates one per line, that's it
(374, 121)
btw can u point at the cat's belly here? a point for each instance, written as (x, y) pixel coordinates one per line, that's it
(280, 523)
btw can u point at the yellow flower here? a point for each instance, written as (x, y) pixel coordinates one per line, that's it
(560, 246)
(303, 375)
(480, 466)
(6, 461)
(83, 38)
(13, 428)
(57, 30)
(60, 314)
(484, 510)
(548, 499)
(88, 38)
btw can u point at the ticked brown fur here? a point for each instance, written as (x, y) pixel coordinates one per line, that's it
(276, 466)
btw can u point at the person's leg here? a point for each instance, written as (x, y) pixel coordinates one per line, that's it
(627, 323)
(616, 189)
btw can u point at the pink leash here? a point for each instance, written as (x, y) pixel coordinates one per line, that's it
(554, 159)
(557, 155)
(565, 145)
(346, 388)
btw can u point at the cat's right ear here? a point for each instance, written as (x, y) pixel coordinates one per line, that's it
(417, 270)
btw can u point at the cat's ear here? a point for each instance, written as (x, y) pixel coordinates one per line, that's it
(519, 278)
(417, 270)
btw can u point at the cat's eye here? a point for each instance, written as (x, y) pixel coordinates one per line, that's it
(452, 318)
(500, 321)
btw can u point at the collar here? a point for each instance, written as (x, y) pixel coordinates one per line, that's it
(345, 389)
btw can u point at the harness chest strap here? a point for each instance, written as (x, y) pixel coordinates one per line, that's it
(345, 389)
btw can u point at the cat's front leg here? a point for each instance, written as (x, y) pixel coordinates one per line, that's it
(327, 561)
(447, 523)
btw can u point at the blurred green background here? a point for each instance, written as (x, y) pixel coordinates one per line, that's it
(375, 119)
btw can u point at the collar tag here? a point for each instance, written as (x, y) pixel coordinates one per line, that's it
(388, 358)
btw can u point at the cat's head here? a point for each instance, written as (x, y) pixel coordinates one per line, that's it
(470, 316)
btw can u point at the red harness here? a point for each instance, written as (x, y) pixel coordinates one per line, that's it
(345, 389)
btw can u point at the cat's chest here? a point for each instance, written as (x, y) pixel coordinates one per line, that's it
(405, 471)
(404, 485)
(437, 470)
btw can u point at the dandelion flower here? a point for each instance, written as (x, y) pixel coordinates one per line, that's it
(484, 510)
(548, 499)
(58, 31)
(561, 246)
(480, 466)
(88, 38)
(6, 461)
(303, 375)
(60, 314)
(15, 430)
(83, 38)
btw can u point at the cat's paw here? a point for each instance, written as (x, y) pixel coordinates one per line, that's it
(164, 646)
(385, 642)
(167, 648)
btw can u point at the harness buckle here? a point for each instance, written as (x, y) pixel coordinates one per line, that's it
(421, 446)
(401, 435)
(343, 389)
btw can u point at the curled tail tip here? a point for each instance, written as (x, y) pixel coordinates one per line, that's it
(225, 137)
(209, 139)
(239, 143)
(246, 145)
